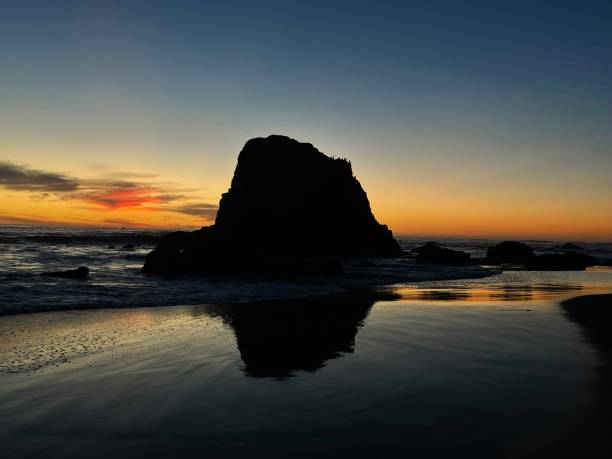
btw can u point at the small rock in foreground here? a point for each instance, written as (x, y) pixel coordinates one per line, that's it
(82, 272)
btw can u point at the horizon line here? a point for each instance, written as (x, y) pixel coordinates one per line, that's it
(534, 237)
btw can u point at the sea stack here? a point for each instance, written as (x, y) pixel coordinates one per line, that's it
(288, 205)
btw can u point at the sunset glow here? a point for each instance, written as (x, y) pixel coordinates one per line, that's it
(113, 118)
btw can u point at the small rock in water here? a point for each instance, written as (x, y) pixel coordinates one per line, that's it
(606, 262)
(510, 252)
(129, 246)
(427, 246)
(82, 272)
(433, 253)
(568, 261)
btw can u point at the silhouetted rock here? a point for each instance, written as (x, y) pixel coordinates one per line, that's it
(129, 246)
(287, 203)
(433, 253)
(510, 252)
(606, 262)
(80, 273)
(322, 266)
(593, 313)
(568, 261)
(111, 247)
(425, 247)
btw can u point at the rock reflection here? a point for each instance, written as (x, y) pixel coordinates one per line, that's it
(277, 339)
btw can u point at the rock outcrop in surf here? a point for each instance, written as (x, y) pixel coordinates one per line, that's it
(431, 252)
(289, 206)
(82, 272)
(511, 252)
(518, 253)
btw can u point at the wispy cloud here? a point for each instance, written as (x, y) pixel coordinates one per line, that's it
(18, 220)
(21, 178)
(111, 191)
(204, 210)
(124, 222)
(120, 194)
(118, 197)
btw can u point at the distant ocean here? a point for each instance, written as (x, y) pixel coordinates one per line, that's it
(116, 280)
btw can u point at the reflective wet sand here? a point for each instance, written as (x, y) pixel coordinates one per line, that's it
(476, 369)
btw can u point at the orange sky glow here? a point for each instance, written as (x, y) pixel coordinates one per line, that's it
(455, 208)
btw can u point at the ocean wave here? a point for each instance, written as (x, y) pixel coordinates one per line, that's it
(116, 280)
(59, 239)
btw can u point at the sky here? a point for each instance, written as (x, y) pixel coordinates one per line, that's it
(461, 118)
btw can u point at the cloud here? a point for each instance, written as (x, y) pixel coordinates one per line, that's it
(111, 192)
(111, 171)
(22, 178)
(124, 222)
(118, 197)
(205, 210)
(17, 220)
(117, 193)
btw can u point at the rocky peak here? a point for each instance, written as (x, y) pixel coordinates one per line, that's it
(288, 198)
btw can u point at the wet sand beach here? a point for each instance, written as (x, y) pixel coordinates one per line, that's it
(450, 368)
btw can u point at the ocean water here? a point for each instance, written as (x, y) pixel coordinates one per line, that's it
(116, 280)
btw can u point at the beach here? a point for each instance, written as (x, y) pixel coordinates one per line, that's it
(487, 367)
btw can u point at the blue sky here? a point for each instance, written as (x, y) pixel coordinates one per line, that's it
(421, 96)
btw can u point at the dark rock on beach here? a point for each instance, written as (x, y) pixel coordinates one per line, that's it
(568, 261)
(594, 311)
(517, 253)
(425, 247)
(82, 272)
(591, 435)
(129, 246)
(433, 253)
(510, 252)
(288, 204)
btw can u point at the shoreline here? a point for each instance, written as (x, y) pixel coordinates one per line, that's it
(287, 289)
(274, 315)
(325, 290)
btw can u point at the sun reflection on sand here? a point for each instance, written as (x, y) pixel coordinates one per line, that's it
(518, 286)
(487, 295)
